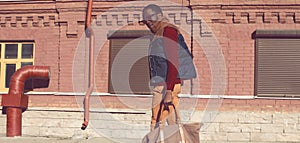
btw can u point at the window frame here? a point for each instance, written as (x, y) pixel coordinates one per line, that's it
(18, 61)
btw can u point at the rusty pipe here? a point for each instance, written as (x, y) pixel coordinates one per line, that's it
(91, 83)
(13, 121)
(18, 79)
(89, 13)
(16, 100)
(90, 33)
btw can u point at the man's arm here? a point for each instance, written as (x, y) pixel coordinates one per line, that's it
(171, 52)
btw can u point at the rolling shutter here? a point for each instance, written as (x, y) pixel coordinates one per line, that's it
(277, 63)
(129, 72)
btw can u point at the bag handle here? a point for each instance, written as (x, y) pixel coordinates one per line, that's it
(176, 117)
(179, 125)
(166, 107)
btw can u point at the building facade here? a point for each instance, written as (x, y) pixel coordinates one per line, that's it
(246, 54)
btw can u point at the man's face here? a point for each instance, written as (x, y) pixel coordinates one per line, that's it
(150, 17)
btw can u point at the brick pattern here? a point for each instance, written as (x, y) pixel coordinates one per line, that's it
(259, 17)
(43, 20)
(46, 46)
(58, 27)
(220, 20)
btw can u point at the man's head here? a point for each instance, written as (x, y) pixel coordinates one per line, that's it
(151, 14)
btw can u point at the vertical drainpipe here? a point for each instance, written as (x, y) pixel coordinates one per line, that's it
(90, 33)
(192, 39)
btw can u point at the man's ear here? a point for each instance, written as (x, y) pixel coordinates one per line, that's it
(159, 16)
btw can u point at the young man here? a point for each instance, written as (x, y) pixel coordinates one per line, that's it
(164, 63)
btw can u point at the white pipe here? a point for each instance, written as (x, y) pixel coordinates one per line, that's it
(245, 97)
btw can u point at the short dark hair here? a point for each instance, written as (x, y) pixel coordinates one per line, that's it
(154, 7)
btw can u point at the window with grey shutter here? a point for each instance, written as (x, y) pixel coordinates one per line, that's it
(128, 62)
(277, 68)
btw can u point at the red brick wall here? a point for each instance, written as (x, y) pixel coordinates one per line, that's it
(233, 24)
(41, 29)
(57, 27)
(255, 105)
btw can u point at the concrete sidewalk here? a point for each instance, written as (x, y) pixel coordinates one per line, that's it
(52, 140)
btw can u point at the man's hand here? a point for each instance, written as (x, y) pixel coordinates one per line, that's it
(168, 97)
(168, 100)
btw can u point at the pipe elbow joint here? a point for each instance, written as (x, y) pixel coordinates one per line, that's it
(15, 96)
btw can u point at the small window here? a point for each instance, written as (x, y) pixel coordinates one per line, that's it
(26, 64)
(27, 51)
(11, 51)
(10, 70)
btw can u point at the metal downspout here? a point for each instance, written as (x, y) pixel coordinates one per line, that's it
(192, 40)
(90, 33)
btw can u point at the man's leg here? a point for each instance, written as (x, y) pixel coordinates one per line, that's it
(156, 100)
(171, 119)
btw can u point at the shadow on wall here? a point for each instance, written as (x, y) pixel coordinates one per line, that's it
(34, 83)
